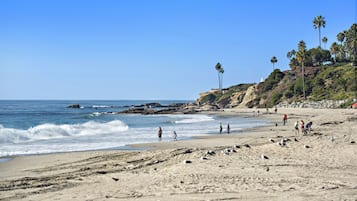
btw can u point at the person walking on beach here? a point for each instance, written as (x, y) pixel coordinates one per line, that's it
(159, 133)
(285, 118)
(220, 128)
(175, 136)
(228, 129)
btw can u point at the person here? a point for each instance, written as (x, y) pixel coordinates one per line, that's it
(302, 126)
(308, 127)
(159, 133)
(175, 136)
(220, 128)
(276, 110)
(285, 118)
(258, 113)
(228, 129)
(296, 127)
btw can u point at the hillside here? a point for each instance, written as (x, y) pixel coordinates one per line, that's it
(335, 82)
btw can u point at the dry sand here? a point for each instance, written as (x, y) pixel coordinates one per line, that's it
(326, 170)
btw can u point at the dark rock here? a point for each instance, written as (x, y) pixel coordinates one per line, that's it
(115, 179)
(76, 106)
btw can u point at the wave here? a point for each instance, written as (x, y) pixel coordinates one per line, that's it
(101, 106)
(189, 119)
(52, 131)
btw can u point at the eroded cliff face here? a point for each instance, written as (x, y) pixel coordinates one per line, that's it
(249, 96)
(241, 97)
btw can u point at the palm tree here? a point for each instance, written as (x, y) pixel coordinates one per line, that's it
(273, 60)
(220, 71)
(324, 40)
(291, 54)
(341, 37)
(319, 22)
(301, 56)
(334, 49)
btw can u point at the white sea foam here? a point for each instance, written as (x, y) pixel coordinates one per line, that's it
(52, 131)
(101, 106)
(189, 119)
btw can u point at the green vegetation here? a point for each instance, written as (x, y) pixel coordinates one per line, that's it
(316, 74)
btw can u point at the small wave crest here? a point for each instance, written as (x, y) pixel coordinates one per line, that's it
(189, 119)
(101, 106)
(52, 131)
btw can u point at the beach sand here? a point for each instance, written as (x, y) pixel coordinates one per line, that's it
(319, 166)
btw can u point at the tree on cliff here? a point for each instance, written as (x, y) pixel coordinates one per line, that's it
(301, 57)
(273, 60)
(319, 22)
(324, 40)
(220, 71)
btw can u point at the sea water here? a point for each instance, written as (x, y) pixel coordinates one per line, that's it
(40, 127)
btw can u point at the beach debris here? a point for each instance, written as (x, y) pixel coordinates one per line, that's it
(353, 142)
(267, 169)
(203, 158)
(115, 179)
(282, 142)
(332, 138)
(186, 161)
(271, 140)
(306, 146)
(264, 156)
(296, 140)
(237, 146)
(210, 152)
(101, 172)
(248, 146)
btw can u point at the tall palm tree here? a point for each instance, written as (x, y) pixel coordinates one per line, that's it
(319, 22)
(273, 60)
(334, 49)
(220, 71)
(324, 40)
(301, 56)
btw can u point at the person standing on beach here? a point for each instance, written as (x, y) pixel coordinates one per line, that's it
(285, 119)
(228, 129)
(302, 126)
(296, 127)
(159, 133)
(220, 128)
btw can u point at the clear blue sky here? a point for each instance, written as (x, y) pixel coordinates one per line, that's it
(152, 49)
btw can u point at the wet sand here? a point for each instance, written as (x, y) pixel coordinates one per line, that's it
(239, 166)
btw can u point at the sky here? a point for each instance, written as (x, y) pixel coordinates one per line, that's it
(152, 49)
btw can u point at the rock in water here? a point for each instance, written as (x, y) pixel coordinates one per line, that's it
(76, 106)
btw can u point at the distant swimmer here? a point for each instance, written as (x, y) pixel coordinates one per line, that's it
(228, 129)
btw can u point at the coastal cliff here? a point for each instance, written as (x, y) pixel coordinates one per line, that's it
(331, 86)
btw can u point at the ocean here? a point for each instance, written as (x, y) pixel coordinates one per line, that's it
(42, 127)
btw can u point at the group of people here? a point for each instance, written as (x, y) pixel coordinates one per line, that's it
(305, 129)
(221, 128)
(159, 134)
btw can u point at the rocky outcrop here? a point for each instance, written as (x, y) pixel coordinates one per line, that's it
(75, 106)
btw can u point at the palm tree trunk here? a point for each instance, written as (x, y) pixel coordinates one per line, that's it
(319, 37)
(219, 82)
(303, 81)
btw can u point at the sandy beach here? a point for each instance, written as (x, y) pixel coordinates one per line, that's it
(249, 165)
